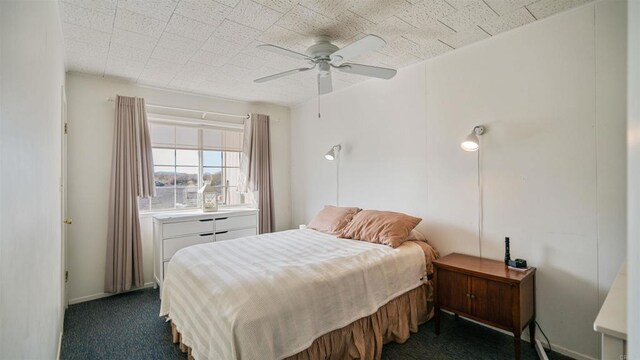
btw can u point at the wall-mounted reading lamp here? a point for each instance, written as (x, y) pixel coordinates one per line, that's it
(333, 154)
(472, 142)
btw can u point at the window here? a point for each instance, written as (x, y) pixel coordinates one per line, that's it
(185, 157)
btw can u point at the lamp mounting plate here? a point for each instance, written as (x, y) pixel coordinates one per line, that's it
(479, 130)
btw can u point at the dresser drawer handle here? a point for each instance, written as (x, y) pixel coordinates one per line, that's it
(203, 220)
(207, 234)
(221, 232)
(224, 218)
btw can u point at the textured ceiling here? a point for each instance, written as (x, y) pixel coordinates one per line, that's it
(209, 47)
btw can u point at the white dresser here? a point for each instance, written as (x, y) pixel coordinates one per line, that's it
(611, 321)
(174, 231)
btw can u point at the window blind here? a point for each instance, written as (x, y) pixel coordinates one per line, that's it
(165, 135)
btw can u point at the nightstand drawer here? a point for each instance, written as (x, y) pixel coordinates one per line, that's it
(234, 234)
(171, 246)
(182, 228)
(236, 222)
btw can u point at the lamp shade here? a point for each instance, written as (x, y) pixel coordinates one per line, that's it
(330, 155)
(333, 152)
(470, 143)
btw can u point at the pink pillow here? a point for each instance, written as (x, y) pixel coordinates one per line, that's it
(332, 219)
(416, 235)
(382, 227)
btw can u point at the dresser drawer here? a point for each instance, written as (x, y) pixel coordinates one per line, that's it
(176, 230)
(235, 222)
(171, 246)
(234, 234)
(170, 230)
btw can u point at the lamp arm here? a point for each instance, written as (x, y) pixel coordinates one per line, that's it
(338, 177)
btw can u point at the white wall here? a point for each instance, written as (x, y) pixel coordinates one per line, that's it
(382, 163)
(552, 95)
(31, 80)
(633, 257)
(611, 103)
(91, 121)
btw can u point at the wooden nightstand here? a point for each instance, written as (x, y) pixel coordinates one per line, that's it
(487, 291)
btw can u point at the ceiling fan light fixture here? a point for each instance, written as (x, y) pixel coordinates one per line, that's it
(324, 68)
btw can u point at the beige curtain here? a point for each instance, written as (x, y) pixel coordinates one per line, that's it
(256, 169)
(131, 177)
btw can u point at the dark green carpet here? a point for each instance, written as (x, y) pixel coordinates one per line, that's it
(127, 326)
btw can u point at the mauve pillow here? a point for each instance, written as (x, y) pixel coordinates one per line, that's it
(382, 227)
(332, 219)
(416, 235)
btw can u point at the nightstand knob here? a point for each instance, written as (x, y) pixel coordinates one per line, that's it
(473, 296)
(468, 295)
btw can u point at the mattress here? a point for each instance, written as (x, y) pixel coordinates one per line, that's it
(269, 296)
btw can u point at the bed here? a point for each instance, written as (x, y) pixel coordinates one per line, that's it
(297, 294)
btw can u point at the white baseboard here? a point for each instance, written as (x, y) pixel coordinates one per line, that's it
(59, 346)
(570, 353)
(104, 295)
(542, 354)
(525, 336)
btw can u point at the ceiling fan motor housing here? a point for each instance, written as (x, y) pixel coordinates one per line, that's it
(322, 48)
(323, 55)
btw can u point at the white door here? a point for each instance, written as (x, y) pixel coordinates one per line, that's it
(66, 221)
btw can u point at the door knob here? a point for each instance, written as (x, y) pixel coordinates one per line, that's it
(68, 221)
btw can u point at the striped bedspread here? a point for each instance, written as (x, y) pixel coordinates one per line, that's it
(269, 296)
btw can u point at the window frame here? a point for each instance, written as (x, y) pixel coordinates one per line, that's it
(200, 151)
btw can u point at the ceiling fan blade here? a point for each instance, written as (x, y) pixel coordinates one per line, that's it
(282, 51)
(367, 70)
(324, 84)
(357, 48)
(282, 74)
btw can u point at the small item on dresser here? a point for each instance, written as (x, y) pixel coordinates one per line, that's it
(517, 263)
(507, 255)
(209, 197)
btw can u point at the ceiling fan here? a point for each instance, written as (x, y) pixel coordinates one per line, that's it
(324, 56)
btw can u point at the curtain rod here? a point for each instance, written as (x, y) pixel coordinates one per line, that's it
(203, 112)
